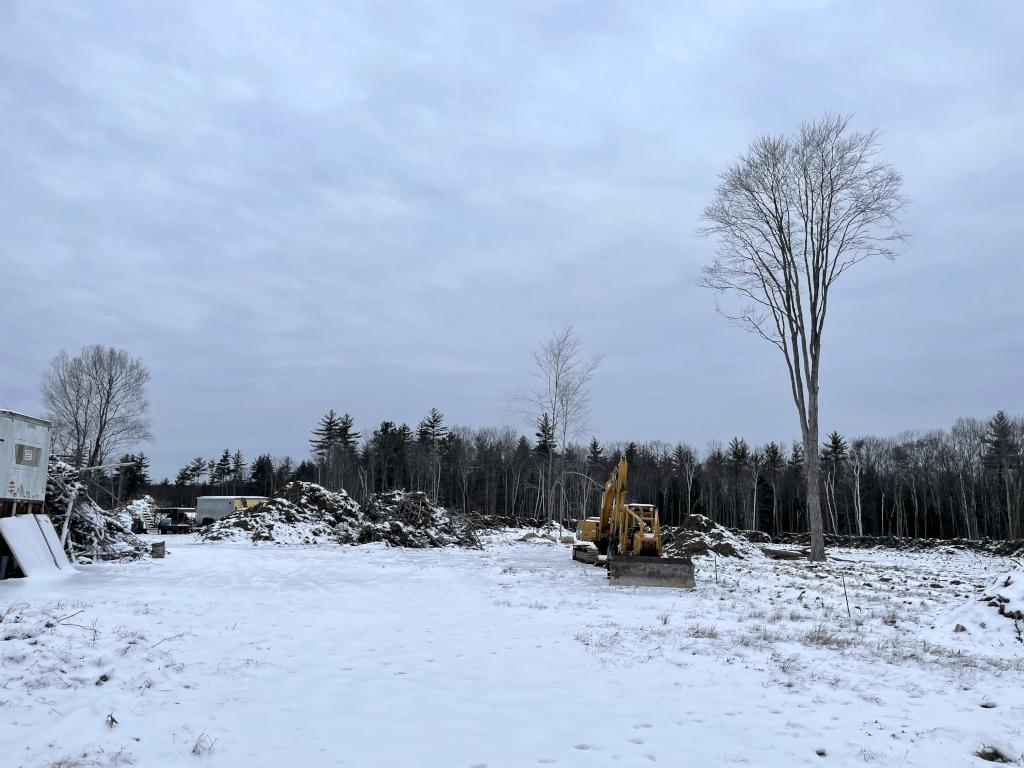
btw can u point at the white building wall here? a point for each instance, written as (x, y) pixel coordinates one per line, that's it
(24, 453)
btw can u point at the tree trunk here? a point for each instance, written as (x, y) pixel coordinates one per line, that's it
(812, 472)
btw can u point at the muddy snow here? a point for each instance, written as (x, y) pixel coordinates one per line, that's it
(229, 654)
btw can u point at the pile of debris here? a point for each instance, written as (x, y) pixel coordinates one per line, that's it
(93, 534)
(997, 616)
(1004, 547)
(306, 513)
(408, 519)
(1006, 595)
(699, 535)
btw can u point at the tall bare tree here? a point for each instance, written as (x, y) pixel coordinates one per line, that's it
(791, 215)
(563, 377)
(98, 402)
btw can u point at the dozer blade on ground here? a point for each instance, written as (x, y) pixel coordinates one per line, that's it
(641, 571)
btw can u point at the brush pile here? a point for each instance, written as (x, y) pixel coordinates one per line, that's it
(94, 534)
(698, 535)
(306, 513)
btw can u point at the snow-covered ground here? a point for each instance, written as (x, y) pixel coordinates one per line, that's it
(237, 655)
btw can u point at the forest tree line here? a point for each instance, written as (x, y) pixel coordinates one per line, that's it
(967, 481)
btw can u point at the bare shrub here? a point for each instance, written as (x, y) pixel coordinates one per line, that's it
(822, 634)
(702, 631)
(203, 745)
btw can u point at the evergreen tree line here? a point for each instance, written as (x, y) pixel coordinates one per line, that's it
(964, 482)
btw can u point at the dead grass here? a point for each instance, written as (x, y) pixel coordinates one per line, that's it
(703, 631)
(203, 745)
(823, 635)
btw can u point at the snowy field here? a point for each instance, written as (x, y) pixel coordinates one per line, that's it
(235, 655)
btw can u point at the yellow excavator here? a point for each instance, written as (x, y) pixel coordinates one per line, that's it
(627, 538)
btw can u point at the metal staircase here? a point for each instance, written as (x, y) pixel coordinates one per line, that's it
(148, 522)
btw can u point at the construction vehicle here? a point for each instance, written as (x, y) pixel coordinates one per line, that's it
(626, 537)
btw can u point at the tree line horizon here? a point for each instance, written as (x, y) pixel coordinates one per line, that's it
(962, 482)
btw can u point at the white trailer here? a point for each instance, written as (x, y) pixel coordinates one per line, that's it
(28, 543)
(24, 453)
(212, 508)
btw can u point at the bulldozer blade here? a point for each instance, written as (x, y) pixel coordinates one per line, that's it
(640, 571)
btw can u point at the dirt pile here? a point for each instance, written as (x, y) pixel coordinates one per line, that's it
(94, 534)
(698, 535)
(306, 513)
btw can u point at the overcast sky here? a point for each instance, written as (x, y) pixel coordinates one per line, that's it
(286, 207)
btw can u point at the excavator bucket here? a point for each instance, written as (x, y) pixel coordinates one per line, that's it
(641, 571)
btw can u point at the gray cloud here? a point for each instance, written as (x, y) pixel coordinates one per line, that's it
(288, 207)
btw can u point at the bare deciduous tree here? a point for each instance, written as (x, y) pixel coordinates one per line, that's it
(562, 391)
(791, 215)
(98, 403)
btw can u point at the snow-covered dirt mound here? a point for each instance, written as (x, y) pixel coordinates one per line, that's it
(997, 614)
(95, 534)
(698, 535)
(1006, 595)
(306, 513)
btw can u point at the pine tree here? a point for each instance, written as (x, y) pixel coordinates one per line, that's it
(222, 469)
(1003, 457)
(774, 463)
(429, 434)
(326, 437)
(432, 428)
(739, 453)
(347, 436)
(197, 469)
(132, 476)
(834, 451)
(796, 457)
(545, 435)
(595, 454)
(284, 473)
(306, 471)
(237, 471)
(262, 474)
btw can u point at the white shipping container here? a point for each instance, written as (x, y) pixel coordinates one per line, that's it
(24, 453)
(216, 507)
